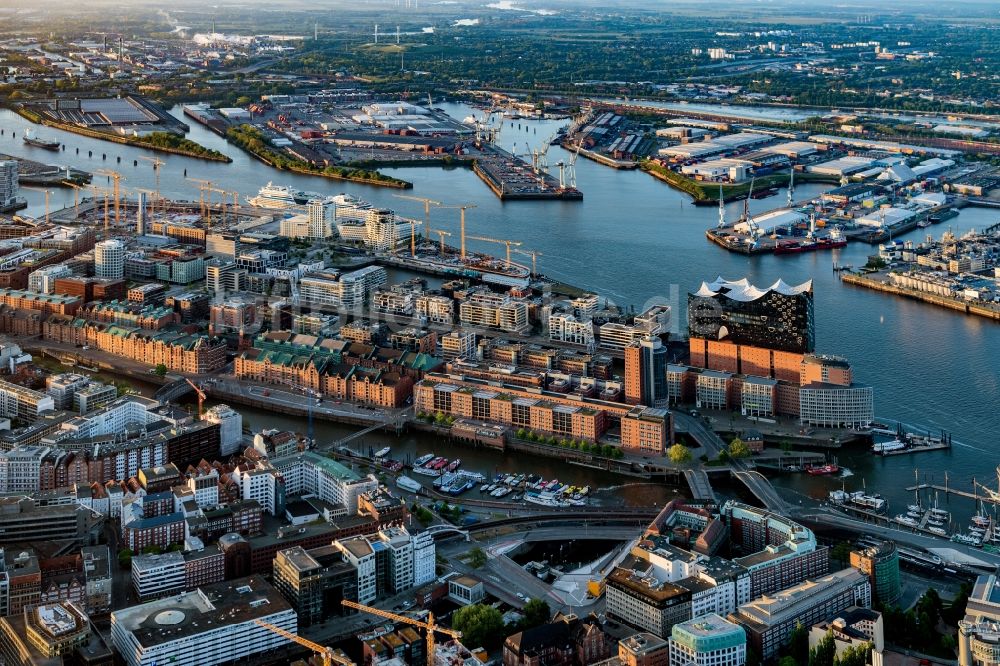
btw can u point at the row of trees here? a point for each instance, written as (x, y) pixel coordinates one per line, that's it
(581, 445)
(175, 142)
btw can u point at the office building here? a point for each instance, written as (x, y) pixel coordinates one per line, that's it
(225, 278)
(779, 317)
(646, 373)
(215, 624)
(770, 619)
(230, 428)
(567, 640)
(979, 630)
(317, 222)
(315, 582)
(23, 404)
(566, 327)
(490, 310)
(541, 411)
(458, 343)
(779, 552)
(466, 590)
(645, 602)
(109, 259)
(23, 519)
(708, 640)
(434, 309)
(881, 564)
(643, 649)
(309, 473)
(49, 634)
(8, 183)
(44, 279)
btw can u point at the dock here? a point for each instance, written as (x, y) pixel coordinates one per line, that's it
(981, 309)
(953, 491)
(512, 178)
(30, 172)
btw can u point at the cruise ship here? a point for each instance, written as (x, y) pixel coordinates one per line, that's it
(281, 196)
(349, 207)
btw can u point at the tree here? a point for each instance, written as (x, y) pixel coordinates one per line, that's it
(842, 552)
(481, 625)
(536, 613)
(679, 454)
(477, 558)
(824, 653)
(856, 655)
(787, 661)
(160, 370)
(797, 647)
(738, 448)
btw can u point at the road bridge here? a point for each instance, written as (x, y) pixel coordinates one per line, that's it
(173, 391)
(701, 487)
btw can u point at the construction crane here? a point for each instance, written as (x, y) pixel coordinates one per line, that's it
(427, 217)
(327, 655)
(157, 163)
(429, 625)
(201, 397)
(117, 178)
(224, 194)
(441, 234)
(98, 191)
(508, 243)
(463, 208)
(76, 196)
(534, 254)
(203, 187)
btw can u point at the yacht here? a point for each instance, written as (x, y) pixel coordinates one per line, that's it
(916, 508)
(382, 453)
(406, 483)
(981, 520)
(905, 520)
(883, 448)
(423, 460)
(940, 531)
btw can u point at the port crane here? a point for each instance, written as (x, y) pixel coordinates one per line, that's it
(328, 656)
(427, 217)
(430, 626)
(463, 208)
(534, 254)
(508, 243)
(201, 397)
(117, 178)
(567, 170)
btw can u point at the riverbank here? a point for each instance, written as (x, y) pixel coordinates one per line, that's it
(966, 307)
(184, 147)
(708, 193)
(257, 145)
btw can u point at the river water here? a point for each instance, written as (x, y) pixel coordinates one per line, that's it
(635, 240)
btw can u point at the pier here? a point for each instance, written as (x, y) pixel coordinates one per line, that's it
(510, 177)
(986, 497)
(979, 309)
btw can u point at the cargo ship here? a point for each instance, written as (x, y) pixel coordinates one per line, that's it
(833, 241)
(38, 142)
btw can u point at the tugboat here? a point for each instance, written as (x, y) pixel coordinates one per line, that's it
(47, 144)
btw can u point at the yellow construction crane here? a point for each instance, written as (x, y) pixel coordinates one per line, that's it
(157, 163)
(429, 625)
(534, 254)
(427, 219)
(327, 655)
(76, 196)
(463, 208)
(508, 243)
(117, 178)
(441, 234)
(203, 187)
(98, 191)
